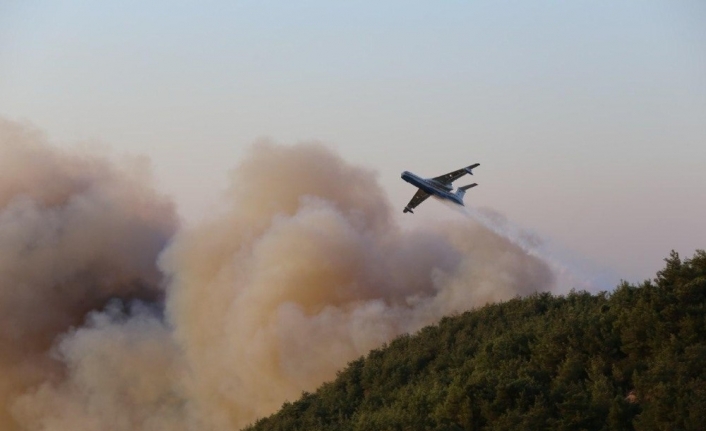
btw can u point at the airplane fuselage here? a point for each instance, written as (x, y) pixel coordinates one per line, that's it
(432, 187)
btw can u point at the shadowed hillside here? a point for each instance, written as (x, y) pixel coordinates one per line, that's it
(631, 359)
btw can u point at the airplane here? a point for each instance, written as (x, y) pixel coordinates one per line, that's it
(437, 186)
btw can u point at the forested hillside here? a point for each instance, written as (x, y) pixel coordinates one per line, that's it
(631, 359)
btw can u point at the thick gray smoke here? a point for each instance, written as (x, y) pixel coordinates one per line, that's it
(304, 272)
(75, 231)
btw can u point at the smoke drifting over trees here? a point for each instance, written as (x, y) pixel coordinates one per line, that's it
(305, 271)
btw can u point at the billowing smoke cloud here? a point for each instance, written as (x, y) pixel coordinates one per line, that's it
(305, 271)
(75, 231)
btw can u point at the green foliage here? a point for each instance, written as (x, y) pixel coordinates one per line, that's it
(634, 359)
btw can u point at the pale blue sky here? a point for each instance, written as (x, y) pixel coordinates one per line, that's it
(588, 117)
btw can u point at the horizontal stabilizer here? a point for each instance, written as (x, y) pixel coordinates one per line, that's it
(464, 188)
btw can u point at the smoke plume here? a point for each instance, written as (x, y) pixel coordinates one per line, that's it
(305, 271)
(75, 231)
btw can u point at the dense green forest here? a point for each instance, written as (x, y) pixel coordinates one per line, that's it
(632, 359)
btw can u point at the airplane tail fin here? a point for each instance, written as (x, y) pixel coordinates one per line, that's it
(462, 190)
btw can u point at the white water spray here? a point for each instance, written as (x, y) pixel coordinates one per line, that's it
(571, 273)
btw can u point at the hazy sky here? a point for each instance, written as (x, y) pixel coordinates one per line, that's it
(588, 117)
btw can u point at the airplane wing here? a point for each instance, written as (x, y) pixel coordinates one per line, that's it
(417, 199)
(453, 176)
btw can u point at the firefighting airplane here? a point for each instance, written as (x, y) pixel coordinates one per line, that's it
(438, 186)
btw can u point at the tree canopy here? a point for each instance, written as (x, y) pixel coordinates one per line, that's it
(632, 359)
